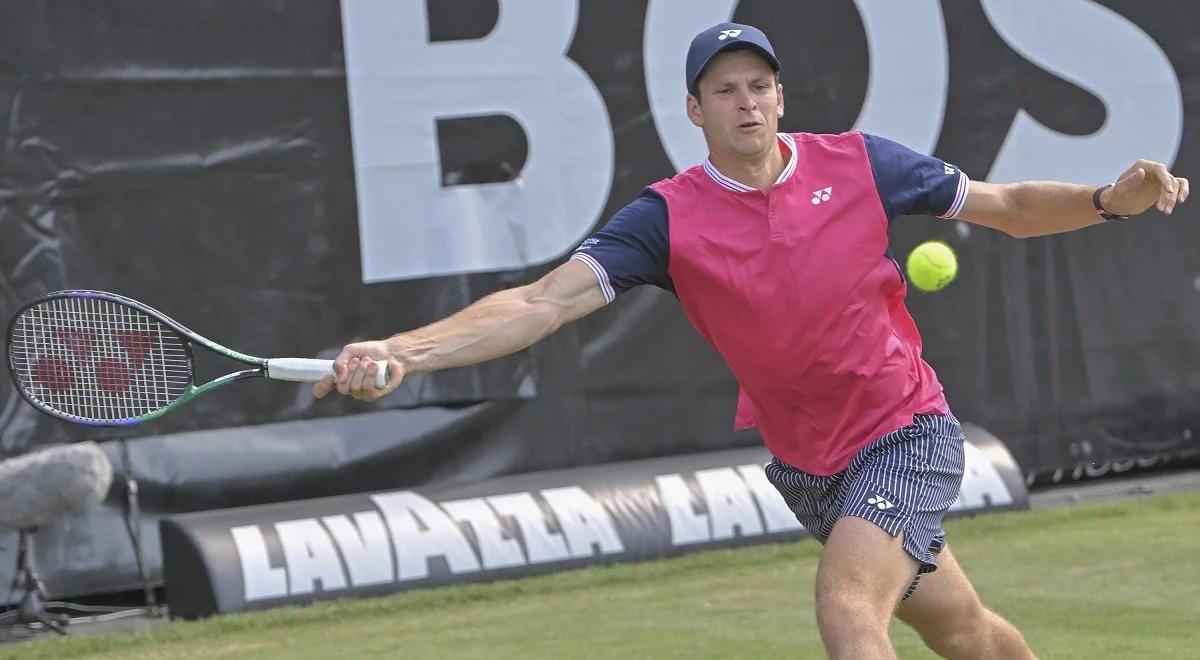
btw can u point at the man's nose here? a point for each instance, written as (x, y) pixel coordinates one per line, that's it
(746, 100)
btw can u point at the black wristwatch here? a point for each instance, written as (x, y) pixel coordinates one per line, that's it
(1105, 215)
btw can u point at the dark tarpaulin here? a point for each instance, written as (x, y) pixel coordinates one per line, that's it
(198, 157)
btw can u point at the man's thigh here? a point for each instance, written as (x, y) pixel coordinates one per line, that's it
(864, 567)
(943, 601)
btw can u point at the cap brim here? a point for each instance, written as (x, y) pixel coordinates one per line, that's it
(735, 45)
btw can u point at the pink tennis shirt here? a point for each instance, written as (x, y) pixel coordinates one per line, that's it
(797, 290)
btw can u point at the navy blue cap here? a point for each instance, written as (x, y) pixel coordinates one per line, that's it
(720, 38)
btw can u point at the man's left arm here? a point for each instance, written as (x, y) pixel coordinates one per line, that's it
(1038, 208)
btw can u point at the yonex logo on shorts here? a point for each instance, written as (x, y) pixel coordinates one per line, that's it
(728, 34)
(880, 502)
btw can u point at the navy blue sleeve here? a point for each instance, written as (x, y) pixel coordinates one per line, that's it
(632, 249)
(912, 183)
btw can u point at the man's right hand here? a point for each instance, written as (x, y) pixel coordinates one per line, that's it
(355, 369)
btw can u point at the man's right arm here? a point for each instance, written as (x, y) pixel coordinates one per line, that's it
(503, 322)
(632, 249)
(494, 326)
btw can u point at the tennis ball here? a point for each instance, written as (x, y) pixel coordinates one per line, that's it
(931, 265)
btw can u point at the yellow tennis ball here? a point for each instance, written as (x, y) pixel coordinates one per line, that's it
(931, 265)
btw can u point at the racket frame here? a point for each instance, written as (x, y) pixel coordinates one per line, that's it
(259, 365)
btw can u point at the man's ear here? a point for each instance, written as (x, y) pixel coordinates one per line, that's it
(779, 93)
(694, 112)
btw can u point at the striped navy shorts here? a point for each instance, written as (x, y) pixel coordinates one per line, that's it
(903, 482)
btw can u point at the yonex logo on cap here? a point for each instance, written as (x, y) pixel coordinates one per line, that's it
(728, 34)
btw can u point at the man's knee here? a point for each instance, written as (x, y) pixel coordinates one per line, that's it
(844, 606)
(959, 632)
(851, 625)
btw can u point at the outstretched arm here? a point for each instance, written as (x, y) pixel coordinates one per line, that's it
(1037, 208)
(494, 326)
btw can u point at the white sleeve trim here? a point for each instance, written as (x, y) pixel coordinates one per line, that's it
(960, 197)
(601, 275)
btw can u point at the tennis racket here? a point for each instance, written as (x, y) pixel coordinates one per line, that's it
(101, 359)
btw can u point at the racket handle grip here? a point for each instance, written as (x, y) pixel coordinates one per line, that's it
(306, 370)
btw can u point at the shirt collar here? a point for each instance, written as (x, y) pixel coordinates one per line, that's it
(728, 183)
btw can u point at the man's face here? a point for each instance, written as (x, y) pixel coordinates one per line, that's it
(739, 104)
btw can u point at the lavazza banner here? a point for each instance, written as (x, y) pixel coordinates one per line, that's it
(380, 543)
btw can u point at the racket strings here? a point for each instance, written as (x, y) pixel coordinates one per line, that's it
(98, 359)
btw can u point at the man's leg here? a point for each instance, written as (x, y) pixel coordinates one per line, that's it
(948, 615)
(862, 575)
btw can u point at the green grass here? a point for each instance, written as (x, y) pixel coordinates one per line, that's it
(1115, 580)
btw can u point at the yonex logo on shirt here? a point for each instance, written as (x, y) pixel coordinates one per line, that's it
(822, 195)
(728, 34)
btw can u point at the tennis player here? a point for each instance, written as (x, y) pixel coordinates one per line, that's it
(777, 248)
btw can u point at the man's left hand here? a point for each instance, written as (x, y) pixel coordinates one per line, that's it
(1143, 184)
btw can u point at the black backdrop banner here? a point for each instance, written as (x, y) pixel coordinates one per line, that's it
(241, 166)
